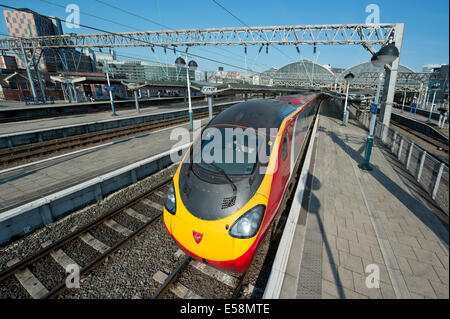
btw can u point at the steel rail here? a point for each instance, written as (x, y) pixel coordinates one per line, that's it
(171, 279)
(45, 251)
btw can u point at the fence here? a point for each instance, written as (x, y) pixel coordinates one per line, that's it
(431, 173)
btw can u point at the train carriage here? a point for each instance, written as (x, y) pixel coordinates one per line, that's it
(227, 190)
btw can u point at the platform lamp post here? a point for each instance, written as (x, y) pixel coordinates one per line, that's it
(193, 66)
(182, 63)
(435, 88)
(347, 78)
(385, 55)
(111, 98)
(404, 99)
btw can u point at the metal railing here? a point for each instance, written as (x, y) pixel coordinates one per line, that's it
(431, 173)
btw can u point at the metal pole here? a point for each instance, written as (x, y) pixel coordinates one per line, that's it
(394, 142)
(27, 65)
(38, 76)
(191, 124)
(399, 154)
(136, 101)
(369, 143)
(74, 91)
(422, 162)
(210, 109)
(111, 96)
(425, 98)
(404, 98)
(345, 115)
(438, 179)
(431, 108)
(408, 159)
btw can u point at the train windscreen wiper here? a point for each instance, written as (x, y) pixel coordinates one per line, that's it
(217, 168)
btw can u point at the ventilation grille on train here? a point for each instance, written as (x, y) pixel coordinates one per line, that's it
(228, 202)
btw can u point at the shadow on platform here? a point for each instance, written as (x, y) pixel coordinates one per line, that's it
(413, 204)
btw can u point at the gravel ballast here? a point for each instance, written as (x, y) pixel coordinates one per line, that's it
(26, 246)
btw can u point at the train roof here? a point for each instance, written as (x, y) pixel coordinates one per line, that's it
(257, 114)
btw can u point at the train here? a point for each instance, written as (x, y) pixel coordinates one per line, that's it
(227, 190)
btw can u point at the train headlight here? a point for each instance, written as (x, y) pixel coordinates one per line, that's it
(171, 203)
(248, 224)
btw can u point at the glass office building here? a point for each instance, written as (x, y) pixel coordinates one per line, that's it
(138, 71)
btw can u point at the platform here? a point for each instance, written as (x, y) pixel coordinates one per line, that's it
(78, 119)
(29, 182)
(353, 220)
(424, 119)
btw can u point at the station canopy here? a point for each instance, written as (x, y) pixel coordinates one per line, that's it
(303, 72)
(364, 75)
(306, 73)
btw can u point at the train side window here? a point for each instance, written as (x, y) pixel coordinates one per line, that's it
(284, 147)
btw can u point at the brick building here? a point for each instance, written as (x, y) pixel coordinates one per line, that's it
(28, 24)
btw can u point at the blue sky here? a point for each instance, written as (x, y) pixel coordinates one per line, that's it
(426, 38)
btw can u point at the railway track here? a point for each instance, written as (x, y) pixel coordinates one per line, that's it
(192, 279)
(27, 153)
(436, 144)
(440, 146)
(85, 248)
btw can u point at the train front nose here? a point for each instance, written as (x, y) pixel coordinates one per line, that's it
(207, 243)
(201, 240)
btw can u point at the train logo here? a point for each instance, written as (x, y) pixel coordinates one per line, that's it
(197, 236)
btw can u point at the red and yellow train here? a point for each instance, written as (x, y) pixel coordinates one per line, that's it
(227, 189)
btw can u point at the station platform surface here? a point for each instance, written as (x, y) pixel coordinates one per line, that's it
(20, 105)
(353, 219)
(78, 119)
(23, 184)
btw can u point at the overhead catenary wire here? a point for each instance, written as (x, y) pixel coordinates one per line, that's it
(120, 35)
(169, 28)
(245, 24)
